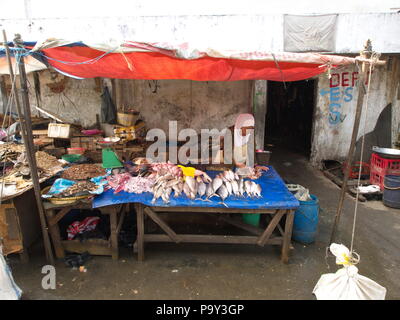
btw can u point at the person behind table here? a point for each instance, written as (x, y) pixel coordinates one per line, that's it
(243, 149)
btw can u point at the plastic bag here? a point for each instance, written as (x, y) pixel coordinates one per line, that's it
(346, 283)
(8, 288)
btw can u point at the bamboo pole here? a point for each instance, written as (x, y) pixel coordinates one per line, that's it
(26, 129)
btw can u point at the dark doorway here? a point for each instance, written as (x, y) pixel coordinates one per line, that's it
(290, 110)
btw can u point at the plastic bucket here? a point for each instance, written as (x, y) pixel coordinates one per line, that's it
(306, 221)
(391, 191)
(251, 218)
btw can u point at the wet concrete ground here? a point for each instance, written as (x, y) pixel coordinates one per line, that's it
(201, 271)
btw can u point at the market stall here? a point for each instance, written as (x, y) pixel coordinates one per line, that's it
(155, 186)
(274, 200)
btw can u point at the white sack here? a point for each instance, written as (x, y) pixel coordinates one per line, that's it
(8, 288)
(346, 283)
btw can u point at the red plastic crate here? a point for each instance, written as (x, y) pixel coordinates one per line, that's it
(380, 167)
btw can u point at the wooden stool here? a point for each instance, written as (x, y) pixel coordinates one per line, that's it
(93, 246)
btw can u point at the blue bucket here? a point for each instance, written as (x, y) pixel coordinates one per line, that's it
(306, 221)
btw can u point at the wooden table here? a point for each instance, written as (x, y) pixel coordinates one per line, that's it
(275, 202)
(259, 236)
(55, 212)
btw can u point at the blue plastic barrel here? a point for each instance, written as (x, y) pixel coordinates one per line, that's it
(306, 221)
(391, 192)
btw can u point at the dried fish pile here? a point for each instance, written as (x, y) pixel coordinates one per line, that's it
(10, 151)
(83, 172)
(78, 188)
(46, 161)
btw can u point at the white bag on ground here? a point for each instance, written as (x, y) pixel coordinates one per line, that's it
(346, 283)
(8, 288)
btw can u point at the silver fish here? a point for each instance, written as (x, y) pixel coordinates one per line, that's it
(228, 186)
(186, 189)
(201, 189)
(177, 189)
(172, 182)
(216, 183)
(248, 187)
(209, 191)
(165, 195)
(206, 178)
(191, 182)
(235, 188)
(157, 194)
(241, 187)
(258, 190)
(223, 193)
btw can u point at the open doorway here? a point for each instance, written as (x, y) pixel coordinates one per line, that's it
(289, 118)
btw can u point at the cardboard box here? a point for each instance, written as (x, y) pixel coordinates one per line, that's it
(59, 130)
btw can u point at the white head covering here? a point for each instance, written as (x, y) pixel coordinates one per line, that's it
(243, 120)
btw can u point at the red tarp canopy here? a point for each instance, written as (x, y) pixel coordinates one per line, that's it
(144, 61)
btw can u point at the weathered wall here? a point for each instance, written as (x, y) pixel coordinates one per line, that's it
(78, 101)
(336, 104)
(253, 32)
(193, 104)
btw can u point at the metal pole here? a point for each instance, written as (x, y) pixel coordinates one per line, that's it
(29, 147)
(356, 126)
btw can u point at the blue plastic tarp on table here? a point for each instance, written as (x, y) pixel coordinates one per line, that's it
(275, 195)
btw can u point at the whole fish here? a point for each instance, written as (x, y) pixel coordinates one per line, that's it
(157, 194)
(223, 194)
(165, 195)
(201, 190)
(210, 191)
(186, 190)
(228, 186)
(241, 187)
(216, 183)
(172, 182)
(235, 188)
(177, 189)
(258, 191)
(191, 182)
(248, 187)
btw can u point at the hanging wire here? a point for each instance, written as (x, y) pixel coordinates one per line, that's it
(374, 57)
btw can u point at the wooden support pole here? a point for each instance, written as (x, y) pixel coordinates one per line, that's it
(356, 126)
(26, 129)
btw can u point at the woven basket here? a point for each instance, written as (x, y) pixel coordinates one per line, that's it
(63, 200)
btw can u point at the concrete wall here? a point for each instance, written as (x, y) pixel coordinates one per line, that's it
(336, 104)
(78, 102)
(194, 104)
(255, 32)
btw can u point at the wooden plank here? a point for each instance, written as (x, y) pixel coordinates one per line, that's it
(140, 231)
(54, 220)
(221, 239)
(241, 225)
(208, 210)
(287, 237)
(93, 246)
(171, 233)
(262, 240)
(54, 231)
(114, 234)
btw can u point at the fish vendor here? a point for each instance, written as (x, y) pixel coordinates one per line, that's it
(243, 140)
